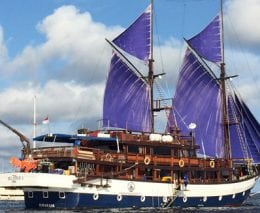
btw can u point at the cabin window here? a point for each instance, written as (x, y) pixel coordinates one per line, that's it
(148, 150)
(30, 194)
(184, 153)
(162, 151)
(133, 148)
(175, 153)
(62, 195)
(165, 173)
(197, 175)
(45, 194)
(212, 175)
(192, 153)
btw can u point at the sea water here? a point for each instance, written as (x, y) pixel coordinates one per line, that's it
(252, 204)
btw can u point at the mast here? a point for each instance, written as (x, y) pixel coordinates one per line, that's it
(151, 72)
(223, 78)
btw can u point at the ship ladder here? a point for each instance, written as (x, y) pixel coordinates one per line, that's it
(171, 199)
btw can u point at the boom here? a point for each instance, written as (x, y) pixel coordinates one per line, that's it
(22, 137)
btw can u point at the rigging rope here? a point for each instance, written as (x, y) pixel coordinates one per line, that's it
(238, 123)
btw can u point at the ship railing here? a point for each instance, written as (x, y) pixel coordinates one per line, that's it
(45, 152)
(87, 153)
(145, 137)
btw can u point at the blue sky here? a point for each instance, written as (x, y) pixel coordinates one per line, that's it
(55, 49)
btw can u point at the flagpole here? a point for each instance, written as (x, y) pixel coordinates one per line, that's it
(49, 131)
(49, 128)
(34, 120)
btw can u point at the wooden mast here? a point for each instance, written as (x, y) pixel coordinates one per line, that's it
(151, 72)
(223, 78)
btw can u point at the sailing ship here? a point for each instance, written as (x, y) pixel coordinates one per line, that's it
(206, 157)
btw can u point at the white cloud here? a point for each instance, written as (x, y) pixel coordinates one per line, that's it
(74, 70)
(59, 100)
(74, 42)
(68, 105)
(246, 66)
(3, 50)
(168, 58)
(243, 21)
(242, 54)
(10, 146)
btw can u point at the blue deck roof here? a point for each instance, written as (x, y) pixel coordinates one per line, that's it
(66, 138)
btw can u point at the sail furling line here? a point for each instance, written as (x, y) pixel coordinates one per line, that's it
(150, 69)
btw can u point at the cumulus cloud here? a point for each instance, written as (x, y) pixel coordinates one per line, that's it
(59, 100)
(73, 49)
(242, 21)
(246, 66)
(10, 146)
(62, 71)
(68, 105)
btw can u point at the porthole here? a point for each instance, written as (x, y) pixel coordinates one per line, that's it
(185, 199)
(30, 194)
(62, 195)
(119, 197)
(165, 199)
(45, 194)
(95, 196)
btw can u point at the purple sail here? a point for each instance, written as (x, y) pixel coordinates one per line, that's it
(244, 131)
(136, 39)
(198, 100)
(207, 43)
(126, 99)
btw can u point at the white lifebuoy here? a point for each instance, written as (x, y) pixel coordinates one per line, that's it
(212, 164)
(147, 160)
(185, 199)
(220, 198)
(119, 197)
(233, 196)
(204, 199)
(142, 198)
(108, 157)
(243, 193)
(95, 196)
(181, 163)
(165, 199)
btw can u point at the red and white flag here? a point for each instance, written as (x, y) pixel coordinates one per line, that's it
(45, 120)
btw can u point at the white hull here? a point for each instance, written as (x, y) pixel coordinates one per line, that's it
(98, 190)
